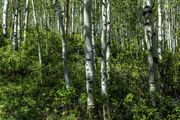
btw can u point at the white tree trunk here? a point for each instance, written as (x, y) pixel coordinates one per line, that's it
(160, 35)
(167, 29)
(72, 21)
(152, 48)
(5, 12)
(93, 29)
(104, 38)
(104, 49)
(19, 28)
(46, 25)
(108, 37)
(88, 52)
(14, 41)
(39, 42)
(173, 30)
(64, 43)
(34, 13)
(26, 20)
(81, 20)
(37, 30)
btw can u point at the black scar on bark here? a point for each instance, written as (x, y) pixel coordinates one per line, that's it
(90, 81)
(155, 59)
(90, 91)
(147, 9)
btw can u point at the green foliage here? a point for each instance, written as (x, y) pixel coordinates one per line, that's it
(29, 90)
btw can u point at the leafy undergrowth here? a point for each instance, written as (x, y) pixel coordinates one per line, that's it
(32, 91)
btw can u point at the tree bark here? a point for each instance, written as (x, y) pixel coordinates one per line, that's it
(160, 35)
(37, 30)
(67, 18)
(19, 28)
(60, 16)
(89, 63)
(5, 12)
(72, 19)
(34, 13)
(152, 49)
(26, 20)
(15, 41)
(104, 60)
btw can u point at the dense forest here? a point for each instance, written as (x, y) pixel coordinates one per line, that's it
(90, 60)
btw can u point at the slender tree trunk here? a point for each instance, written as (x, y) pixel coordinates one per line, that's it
(67, 18)
(64, 53)
(39, 42)
(5, 12)
(26, 20)
(108, 54)
(37, 30)
(152, 49)
(176, 27)
(34, 13)
(81, 20)
(60, 16)
(72, 22)
(104, 61)
(108, 37)
(93, 28)
(19, 28)
(15, 41)
(89, 55)
(169, 32)
(12, 20)
(166, 25)
(103, 48)
(173, 32)
(46, 24)
(160, 35)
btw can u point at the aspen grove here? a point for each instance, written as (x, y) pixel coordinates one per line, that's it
(90, 60)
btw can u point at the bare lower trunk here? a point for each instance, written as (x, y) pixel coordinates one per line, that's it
(152, 49)
(19, 28)
(89, 55)
(5, 12)
(160, 35)
(34, 13)
(60, 16)
(72, 22)
(15, 41)
(26, 20)
(104, 61)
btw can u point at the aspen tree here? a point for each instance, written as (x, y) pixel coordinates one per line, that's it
(88, 49)
(160, 35)
(37, 30)
(60, 16)
(5, 12)
(26, 20)
(151, 47)
(72, 15)
(104, 60)
(14, 40)
(19, 28)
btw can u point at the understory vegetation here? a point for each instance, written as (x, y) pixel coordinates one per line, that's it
(30, 91)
